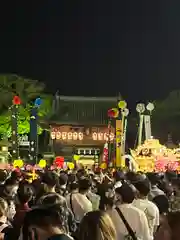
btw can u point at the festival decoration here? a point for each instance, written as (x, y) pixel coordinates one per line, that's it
(42, 163)
(70, 165)
(122, 104)
(103, 165)
(18, 163)
(113, 113)
(76, 157)
(16, 100)
(59, 161)
(150, 107)
(140, 108)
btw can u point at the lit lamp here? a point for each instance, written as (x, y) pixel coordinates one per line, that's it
(14, 123)
(33, 151)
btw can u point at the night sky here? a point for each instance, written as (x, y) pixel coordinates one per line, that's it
(97, 47)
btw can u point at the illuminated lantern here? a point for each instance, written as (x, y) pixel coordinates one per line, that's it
(103, 166)
(18, 163)
(80, 136)
(76, 157)
(53, 135)
(100, 136)
(113, 113)
(95, 136)
(59, 161)
(58, 135)
(64, 135)
(42, 163)
(122, 104)
(38, 102)
(16, 100)
(75, 135)
(70, 136)
(70, 165)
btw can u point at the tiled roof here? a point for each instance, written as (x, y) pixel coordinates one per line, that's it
(82, 110)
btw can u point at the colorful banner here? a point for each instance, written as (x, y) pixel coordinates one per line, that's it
(147, 126)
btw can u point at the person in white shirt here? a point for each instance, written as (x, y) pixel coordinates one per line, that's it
(135, 217)
(149, 208)
(78, 201)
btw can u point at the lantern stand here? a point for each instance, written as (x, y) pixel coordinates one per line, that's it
(140, 108)
(14, 124)
(33, 150)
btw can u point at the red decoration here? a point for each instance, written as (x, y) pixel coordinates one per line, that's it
(59, 161)
(111, 113)
(16, 100)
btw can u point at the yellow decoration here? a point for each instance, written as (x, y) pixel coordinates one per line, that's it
(122, 104)
(76, 157)
(42, 163)
(103, 166)
(70, 165)
(18, 163)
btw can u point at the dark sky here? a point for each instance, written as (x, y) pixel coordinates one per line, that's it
(97, 47)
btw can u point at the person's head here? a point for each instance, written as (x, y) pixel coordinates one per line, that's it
(162, 203)
(25, 194)
(11, 187)
(53, 199)
(143, 187)
(97, 225)
(3, 208)
(63, 178)
(125, 193)
(50, 180)
(44, 222)
(3, 175)
(73, 186)
(84, 185)
(153, 178)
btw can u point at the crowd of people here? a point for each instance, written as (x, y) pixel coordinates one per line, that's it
(89, 205)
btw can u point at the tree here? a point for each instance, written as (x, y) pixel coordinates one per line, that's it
(28, 91)
(166, 116)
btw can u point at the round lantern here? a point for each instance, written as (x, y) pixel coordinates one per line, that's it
(18, 163)
(70, 165)
(16, 100)
(122, 104)
(42, 163)
(140, 108)
(59, 161)
(113, 113)
(150, 107)
(125, 112)
(38, 102)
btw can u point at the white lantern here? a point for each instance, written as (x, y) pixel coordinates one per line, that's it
(140, 108)
(125, 112)
(150, 107)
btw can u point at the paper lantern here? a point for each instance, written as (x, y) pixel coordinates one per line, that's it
(59, 161)
(113, 113)
(70, 165)
(38, 102)
(16, 100)
(122, 104)
(42, 163)
(150, 107)
(18, 163)
(76, 157)
(103, 166)
(125, 112)
(140, 108)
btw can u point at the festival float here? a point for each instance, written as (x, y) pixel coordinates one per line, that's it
(152, 156)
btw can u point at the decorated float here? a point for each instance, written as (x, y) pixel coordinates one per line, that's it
(152, 156)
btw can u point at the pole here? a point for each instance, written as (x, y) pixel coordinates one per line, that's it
(141, 119)
(33, 151)
(124, 137)
(14, 138)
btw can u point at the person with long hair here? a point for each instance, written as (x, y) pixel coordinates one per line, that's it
(96, 225)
